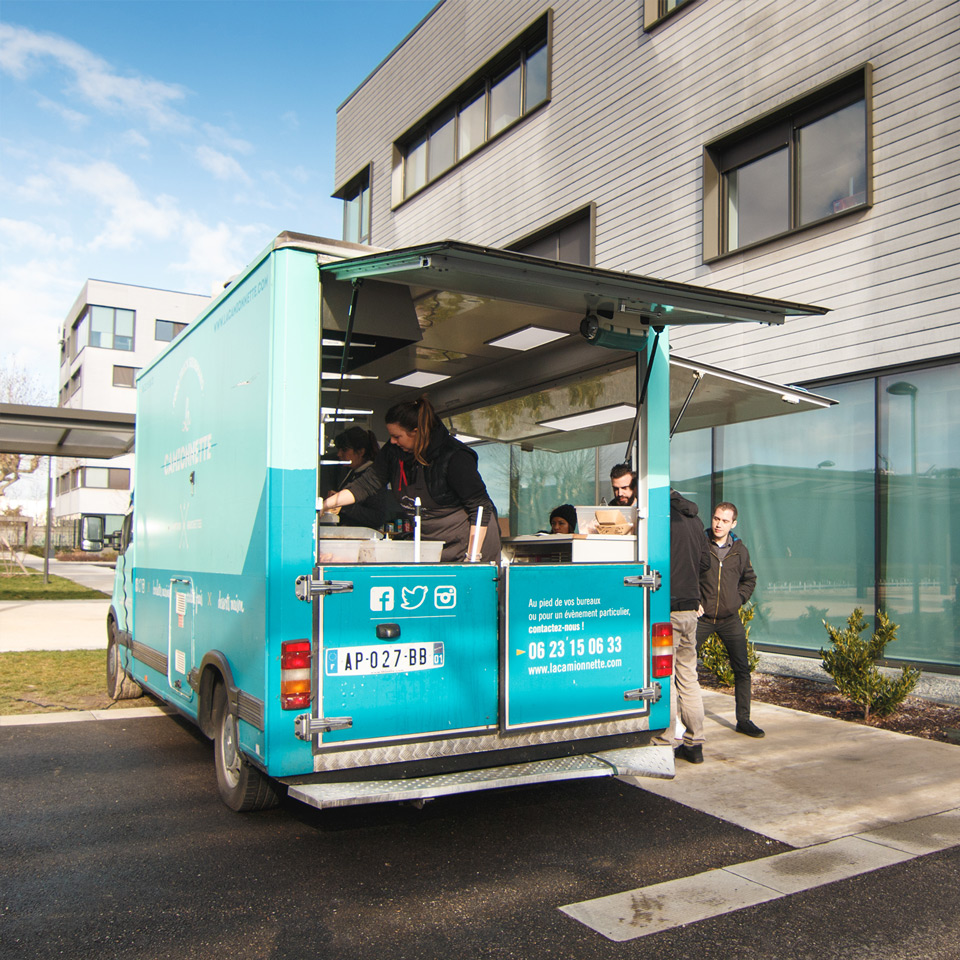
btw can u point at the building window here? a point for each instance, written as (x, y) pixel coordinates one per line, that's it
(656, 10)
(511, 86)
(125, 376)
(110, 327)
(167, 330)
(106, 478)
(807, 163)
(356, 208)
(569, 240)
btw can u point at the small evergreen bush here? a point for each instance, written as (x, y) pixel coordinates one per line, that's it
(852, 662)
(714, 654)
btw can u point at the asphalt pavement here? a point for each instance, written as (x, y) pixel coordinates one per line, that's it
(848, 799)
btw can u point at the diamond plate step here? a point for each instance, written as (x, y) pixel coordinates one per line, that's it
(651, 761)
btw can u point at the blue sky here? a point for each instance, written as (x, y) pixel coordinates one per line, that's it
(165, 142)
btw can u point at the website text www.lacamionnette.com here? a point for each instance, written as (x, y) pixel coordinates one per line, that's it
(575, 665)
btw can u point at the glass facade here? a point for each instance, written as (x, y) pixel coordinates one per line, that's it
(853, 506)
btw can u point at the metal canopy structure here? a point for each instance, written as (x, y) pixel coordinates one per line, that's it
(623, 298)
(436, 316)
(703, 396)
(61, 432)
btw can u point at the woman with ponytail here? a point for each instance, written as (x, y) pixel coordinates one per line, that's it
(423, 460)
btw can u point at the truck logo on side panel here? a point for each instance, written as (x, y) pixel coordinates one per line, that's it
(413, 597)
(381, 599)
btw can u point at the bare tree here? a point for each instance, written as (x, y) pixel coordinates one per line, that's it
(18, 385)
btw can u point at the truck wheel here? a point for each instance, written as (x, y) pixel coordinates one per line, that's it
(242, 786)
(120, 686)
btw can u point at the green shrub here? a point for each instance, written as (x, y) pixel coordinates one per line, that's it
(852, 662)
(714, 654)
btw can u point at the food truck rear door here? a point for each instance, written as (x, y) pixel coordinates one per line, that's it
(402, 653)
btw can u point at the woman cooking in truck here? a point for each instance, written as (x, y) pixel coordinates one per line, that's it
(423, 460)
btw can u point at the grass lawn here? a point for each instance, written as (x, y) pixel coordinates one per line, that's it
(48, 681)
(30, 586)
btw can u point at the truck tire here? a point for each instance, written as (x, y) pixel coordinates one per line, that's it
(242, 786)
(120, 685)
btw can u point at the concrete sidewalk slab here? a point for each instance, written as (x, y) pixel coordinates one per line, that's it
(811, 779)
(53, 625)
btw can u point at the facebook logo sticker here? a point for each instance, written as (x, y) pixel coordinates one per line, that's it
(381, 599)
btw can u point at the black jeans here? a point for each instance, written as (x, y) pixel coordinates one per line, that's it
(734, 637)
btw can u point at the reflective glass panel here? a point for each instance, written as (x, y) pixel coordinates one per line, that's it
(833, 163)
(123, 329)
(690, 468)
(919, 463)
(505, 101)
(758, 199)
(535, 79)
(471, 125)
(96, 477)
(101, 327)
(803, 485)
(415, 167)
(441, 147)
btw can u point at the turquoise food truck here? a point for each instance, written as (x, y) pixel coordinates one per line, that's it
(346, 665)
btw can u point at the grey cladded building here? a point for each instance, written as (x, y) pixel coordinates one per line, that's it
(803, 151)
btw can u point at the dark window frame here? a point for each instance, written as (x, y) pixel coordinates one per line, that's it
(358, 187)
(765, 135)
(534, 39)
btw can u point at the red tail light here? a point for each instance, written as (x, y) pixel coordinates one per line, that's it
(661, 641)
(295, 659)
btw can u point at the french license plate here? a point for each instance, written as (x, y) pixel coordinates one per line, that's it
(396, 658)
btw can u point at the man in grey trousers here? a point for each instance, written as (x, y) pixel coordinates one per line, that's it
(689, 558)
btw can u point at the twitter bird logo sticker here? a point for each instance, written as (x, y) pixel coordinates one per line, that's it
(413, 597)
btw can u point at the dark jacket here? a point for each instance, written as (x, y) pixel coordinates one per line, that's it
(451, 474)
(452, 482)
(728, 583)
(689, 556)
(375, 511)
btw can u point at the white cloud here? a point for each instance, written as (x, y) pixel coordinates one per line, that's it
(22, 234)
(24, 52)
(135, 138)
(34, 299)
(222, 139)
(129, 217)
(220, 165)
(73, 118)
(216, 253)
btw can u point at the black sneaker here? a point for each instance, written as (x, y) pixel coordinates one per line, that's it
(692, 754)
(750, 729)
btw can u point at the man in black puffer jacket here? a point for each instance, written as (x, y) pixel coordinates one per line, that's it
(689, 560)
(724, 588)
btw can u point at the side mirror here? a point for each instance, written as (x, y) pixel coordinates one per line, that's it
(91, 534)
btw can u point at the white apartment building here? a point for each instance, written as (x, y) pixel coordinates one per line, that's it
(110, 333)
(802, 151)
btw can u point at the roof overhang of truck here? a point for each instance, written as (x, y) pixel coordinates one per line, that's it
(439, 317)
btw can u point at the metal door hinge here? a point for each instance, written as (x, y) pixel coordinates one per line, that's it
(307, 587)
(651, 693)
(649, 581)
(306, 726)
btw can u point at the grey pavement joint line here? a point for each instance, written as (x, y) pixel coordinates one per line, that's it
(675, 903)
(78, 716)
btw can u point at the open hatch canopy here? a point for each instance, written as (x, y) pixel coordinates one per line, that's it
(495, 338)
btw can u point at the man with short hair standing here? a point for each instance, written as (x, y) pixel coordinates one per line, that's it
(724, 588)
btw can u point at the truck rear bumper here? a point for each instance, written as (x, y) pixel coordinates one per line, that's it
(648, 761)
